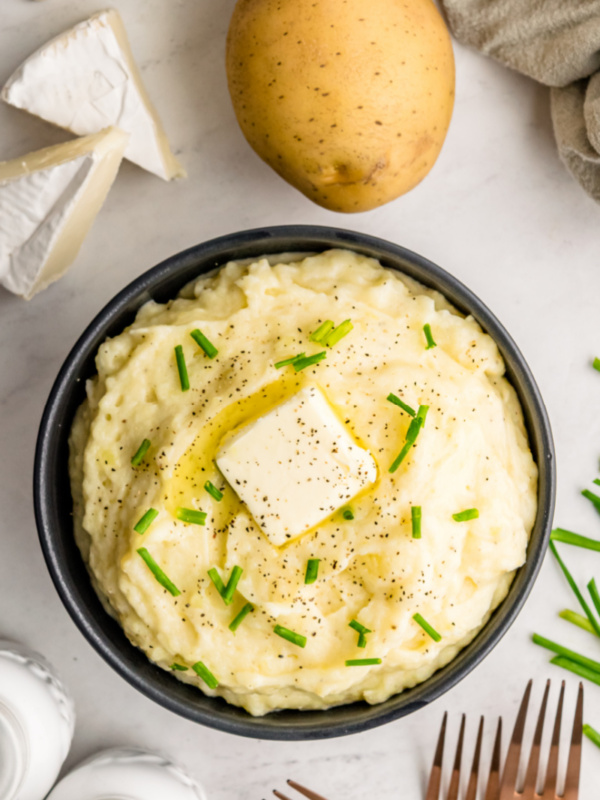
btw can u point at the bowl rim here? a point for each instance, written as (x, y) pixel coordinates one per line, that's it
(119, 653)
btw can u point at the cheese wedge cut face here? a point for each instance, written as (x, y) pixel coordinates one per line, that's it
(86, 80)
(48, 202)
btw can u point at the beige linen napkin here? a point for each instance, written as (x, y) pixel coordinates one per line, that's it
(556, 42)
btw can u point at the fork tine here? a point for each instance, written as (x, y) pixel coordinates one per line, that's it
(574, 763)
(508, 786)
(455, 779)
(435, 779)
(531, 777)
(306, 792)
(550, 783)
(280, 796)
(473, 779)
(493, 787)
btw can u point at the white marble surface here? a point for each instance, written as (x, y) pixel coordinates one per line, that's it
(498, 211)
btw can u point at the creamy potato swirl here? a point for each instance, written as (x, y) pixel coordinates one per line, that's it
(472, 453)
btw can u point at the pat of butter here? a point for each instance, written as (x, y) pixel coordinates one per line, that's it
(295, 466)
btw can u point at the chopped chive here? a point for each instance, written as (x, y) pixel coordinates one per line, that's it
(466, 515)
(347, 513)
(397, 402)
(287, 361)
(202, 671)
(144, 523)
(237, 621)
(140, 453)
(578, 669)
(213, 491)
(182, 369)
(568, 537)
(234, 579)
(355, 625)
(158, 573)
(593, 590)
(577, 619)
(217, 581)
(202, 342)
(429, 336)
(564, 651)
(334, 336)
(596, 364)
(593, 498)
(191, 515)
(411, 436)
(294, 638)
(363, 662)
(596, 481)
(427, 627)
(303, 363)
(588, 612)
(322, 331)
(415, 514)
(312, 570)
(362, 641)
(179, 668)
(591, 734)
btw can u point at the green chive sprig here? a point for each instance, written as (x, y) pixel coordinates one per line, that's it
(334, 336)
(596, 364)
(466, 515)
(184, 379)
(588, 612)
(362, 632)
(393, 398)
(593, 498)
(302, 363)
(160, 576)
(179, 668)
(217, 581)
(213, 491)
(287, 361)
(415, 515)
(577, 619)
(290, 636)
(202, 671)
(592, 734)
(203, 343)
(140, 453)
(347, 513)
(411, 436)
(237, 621)
(568, 537)
(578, 669)
(234, 579)
(564, 651)
(191, 516)
(429, 337)
(429, 630)
(322, 331)
(363, 662)
(312, 570)
(144, 522)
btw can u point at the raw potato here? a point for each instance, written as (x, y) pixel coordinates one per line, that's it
(347, 100)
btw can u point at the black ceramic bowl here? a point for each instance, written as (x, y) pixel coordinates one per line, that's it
(53, 495)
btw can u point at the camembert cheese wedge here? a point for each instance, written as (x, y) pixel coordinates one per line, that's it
(86, 80)
(48, 202)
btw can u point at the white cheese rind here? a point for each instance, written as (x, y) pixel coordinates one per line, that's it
(86, 80)
(295, 466)
(48, 202)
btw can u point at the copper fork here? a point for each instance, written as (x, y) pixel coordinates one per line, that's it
(302, 789)
(508, 788)
(435, 779)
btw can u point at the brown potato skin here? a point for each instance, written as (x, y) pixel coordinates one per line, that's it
(348, 100)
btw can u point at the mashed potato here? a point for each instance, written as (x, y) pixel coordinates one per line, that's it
(472, 453)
